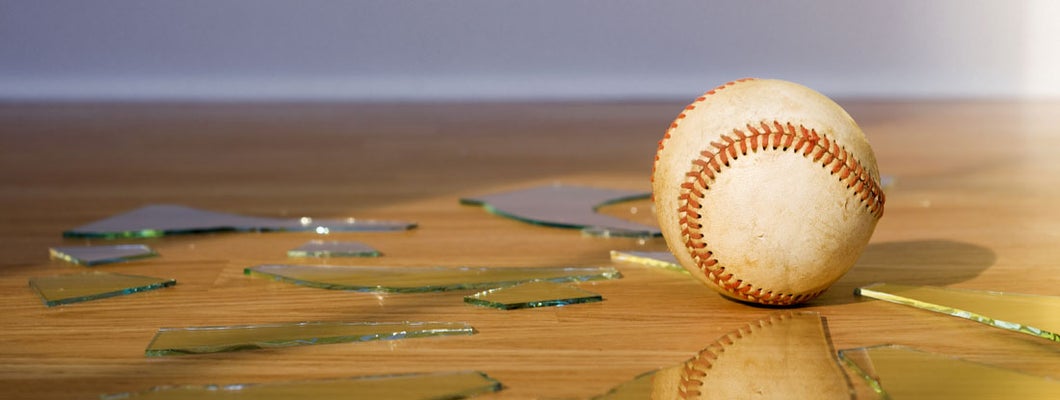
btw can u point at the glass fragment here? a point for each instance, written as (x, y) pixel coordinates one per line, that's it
(658, 259)
(1030, 314)
(216, 339)
(96, 255)
(902, 373)
(333, 248)
(437, 385)
(423, 279)
(74, 288)
(756, 358)
(532, 294)
(566, 207)
(164, 219)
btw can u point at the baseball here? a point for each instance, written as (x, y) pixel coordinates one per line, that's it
(766, 190)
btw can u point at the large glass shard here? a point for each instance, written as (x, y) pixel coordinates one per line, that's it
(658, 259)
(165, 219)
(333, 248)
(66, 289)
(566, 207)
(427, 386)
(1030, 314)
(786, 355)
(532, 294)
(896, 372)
(426, 279)
(96, 255)
(216, 339)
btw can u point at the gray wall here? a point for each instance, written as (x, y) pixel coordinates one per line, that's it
(496, 49)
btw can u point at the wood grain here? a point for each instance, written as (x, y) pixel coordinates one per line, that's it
(973, 206)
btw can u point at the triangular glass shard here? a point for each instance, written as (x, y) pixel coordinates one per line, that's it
(437, 385)
(759, 358)
(216, 339)
(565, 207)
(897, 372)
(66, 289)
(333, 248)
(1030, 314)
(658, 259)
(425, 279)
(165, 219)
(532, 294)
(96, 255)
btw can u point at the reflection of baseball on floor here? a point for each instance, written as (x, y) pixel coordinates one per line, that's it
(766, 190)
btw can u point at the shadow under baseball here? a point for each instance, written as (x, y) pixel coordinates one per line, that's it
(919, 262)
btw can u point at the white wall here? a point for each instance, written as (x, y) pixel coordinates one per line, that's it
(497, 49)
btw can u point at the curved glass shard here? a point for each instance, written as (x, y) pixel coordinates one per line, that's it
(426, 279)
(216, 339)
(438, 385)
(1034, 315)
(566, 207)
(166, 219)
(96, 255)
(333, 248)
(532, 294)
(658, 259)
(897, 372)
(66, 289)
(755, 359)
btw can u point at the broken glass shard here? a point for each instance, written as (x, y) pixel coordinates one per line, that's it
(96, 255)
(437, 385)
(756, 358)
(333, 248)
(566, 207)
(532, 294)
(658, 259)
(66, 289)
(423, 279)
(1030, 314)
(902, 373)
(164, 219)
(216, 339)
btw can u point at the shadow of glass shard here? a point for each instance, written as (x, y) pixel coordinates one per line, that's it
(897, 372)
(162, 219)
(657, 259)
(532, 294)
(438, 385)
(424, 279)
(216, 339)
(96, 255)
(1030, 314)
(566, 207)
(75, 288)
(755, 359)
(333, 248)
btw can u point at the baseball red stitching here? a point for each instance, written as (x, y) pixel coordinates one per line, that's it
(766, 136)
(695, 370)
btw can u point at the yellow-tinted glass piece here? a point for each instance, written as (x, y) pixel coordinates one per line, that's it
(1030, 314)
(96, 255)
(65, 289)
(532, 294)
(784, 356)
(215, 339)
(658, 259)
(896, 372)
(426, 279)
(439, 385)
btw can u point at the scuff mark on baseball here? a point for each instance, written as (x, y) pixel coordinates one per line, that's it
(766, 190)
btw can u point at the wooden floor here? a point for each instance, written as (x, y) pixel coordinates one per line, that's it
(974, 205)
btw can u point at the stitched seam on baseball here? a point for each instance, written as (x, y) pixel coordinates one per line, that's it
(696, 369)
(682, 115)
(801, 140)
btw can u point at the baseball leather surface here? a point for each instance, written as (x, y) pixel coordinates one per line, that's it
(766, 190)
